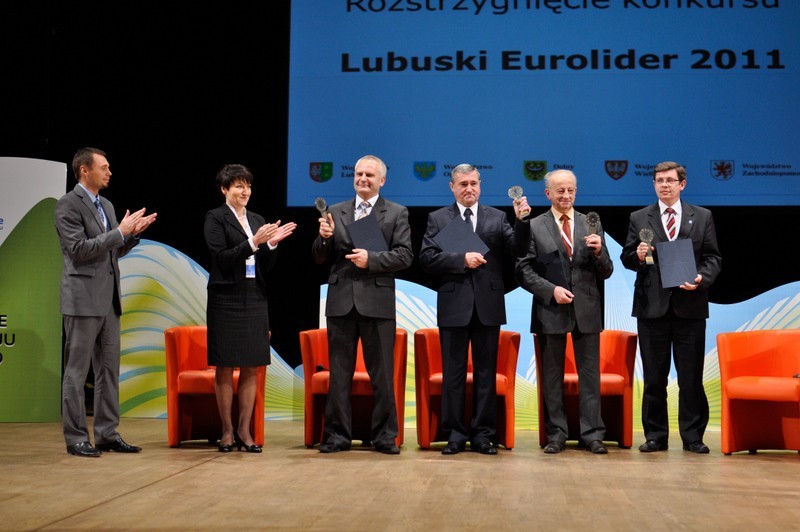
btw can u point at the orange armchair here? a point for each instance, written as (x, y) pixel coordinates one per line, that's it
(314, 353)
(758, 373)
(428, 374)
(617, 360)
(192, 411)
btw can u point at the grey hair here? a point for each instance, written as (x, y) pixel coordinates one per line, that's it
(551, 173)
(463, 168)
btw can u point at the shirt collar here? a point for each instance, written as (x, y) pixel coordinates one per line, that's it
(676, 207)
(462, 208)
(92, 196)
(371, 201)
(557, 215)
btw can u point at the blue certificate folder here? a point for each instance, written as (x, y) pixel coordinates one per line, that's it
(676, 262)
(366, 234)
(458, 237)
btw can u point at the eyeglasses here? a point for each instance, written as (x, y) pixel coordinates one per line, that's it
(667, 181)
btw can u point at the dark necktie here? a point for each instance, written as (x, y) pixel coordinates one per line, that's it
(468, 217)
(671, 229)
(102, 213)
(565, 234)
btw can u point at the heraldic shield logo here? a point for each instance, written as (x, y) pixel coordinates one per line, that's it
(424, 170)
(320, 172)
(534, 170)
(722, 170)
(616, 169)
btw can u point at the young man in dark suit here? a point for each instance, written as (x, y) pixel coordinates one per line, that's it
(361, 304)
(471, 306)
(672, 321)
(563, 268)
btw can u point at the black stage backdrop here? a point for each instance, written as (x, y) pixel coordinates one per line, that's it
(174, 90)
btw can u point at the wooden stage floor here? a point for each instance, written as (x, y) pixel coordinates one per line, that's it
(289, 487)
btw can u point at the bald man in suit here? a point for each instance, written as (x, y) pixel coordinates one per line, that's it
(361, 304)
(563, 268)
(91, 243)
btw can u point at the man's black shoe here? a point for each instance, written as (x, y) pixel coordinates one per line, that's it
(596, 447)
(84, 449)
(452, 448)
(554, 447)
(696, 447)
(485, 448)
(388, 449)
(651, 446)
(332, 448)
(118, 446)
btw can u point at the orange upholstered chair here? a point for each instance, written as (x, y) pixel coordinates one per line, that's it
(428, 369)
(760, 379)
(192, 411)
(617, 359)
(316, 374)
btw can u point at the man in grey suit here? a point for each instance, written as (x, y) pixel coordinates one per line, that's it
(563, 268)
(91, 242)
(672, 320)
(471, 305)
(361, 304)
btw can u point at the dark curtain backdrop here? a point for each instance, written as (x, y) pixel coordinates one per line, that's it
(174, 90)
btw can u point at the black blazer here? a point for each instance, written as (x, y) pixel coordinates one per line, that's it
(547, 265)
(370, 290)
(459, 288)
(650, 300)
(229, 248)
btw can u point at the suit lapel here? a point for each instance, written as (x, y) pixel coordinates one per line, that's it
(555, 231)
(87, 201)
(579, 231)
(687, 221)
(654, 219)
(379, 210)
(231, 220)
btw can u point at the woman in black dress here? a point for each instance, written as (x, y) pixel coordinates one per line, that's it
(243, 250)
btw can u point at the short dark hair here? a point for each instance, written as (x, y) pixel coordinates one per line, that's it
(231, 173)
(669, 165)
(84, 157)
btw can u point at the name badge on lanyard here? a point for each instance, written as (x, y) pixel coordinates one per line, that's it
(250, 267)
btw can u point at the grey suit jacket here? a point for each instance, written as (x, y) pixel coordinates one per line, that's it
(370, 290)
(650, 300)
(90, 277)
(461, 289)
(547, 265)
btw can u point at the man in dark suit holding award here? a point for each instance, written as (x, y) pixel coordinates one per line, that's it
(361, 304)
(470, 304)
(566, 260)
(91, 242)
(672, 320)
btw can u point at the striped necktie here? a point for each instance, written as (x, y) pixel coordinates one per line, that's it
(102, 214)
(565, 234)
(671, 229)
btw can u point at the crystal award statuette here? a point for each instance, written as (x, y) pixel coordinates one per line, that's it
(592, 218)
(516, 193)
(321, 206)
(646, 236)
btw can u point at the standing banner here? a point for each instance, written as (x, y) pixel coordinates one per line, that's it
(30, 268)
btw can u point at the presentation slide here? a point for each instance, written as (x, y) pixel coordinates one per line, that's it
(605, 88)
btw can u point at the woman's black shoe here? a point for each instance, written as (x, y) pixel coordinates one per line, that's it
(226, 447)
(237, 441)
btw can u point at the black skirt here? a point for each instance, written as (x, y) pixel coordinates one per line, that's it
(238, 325)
